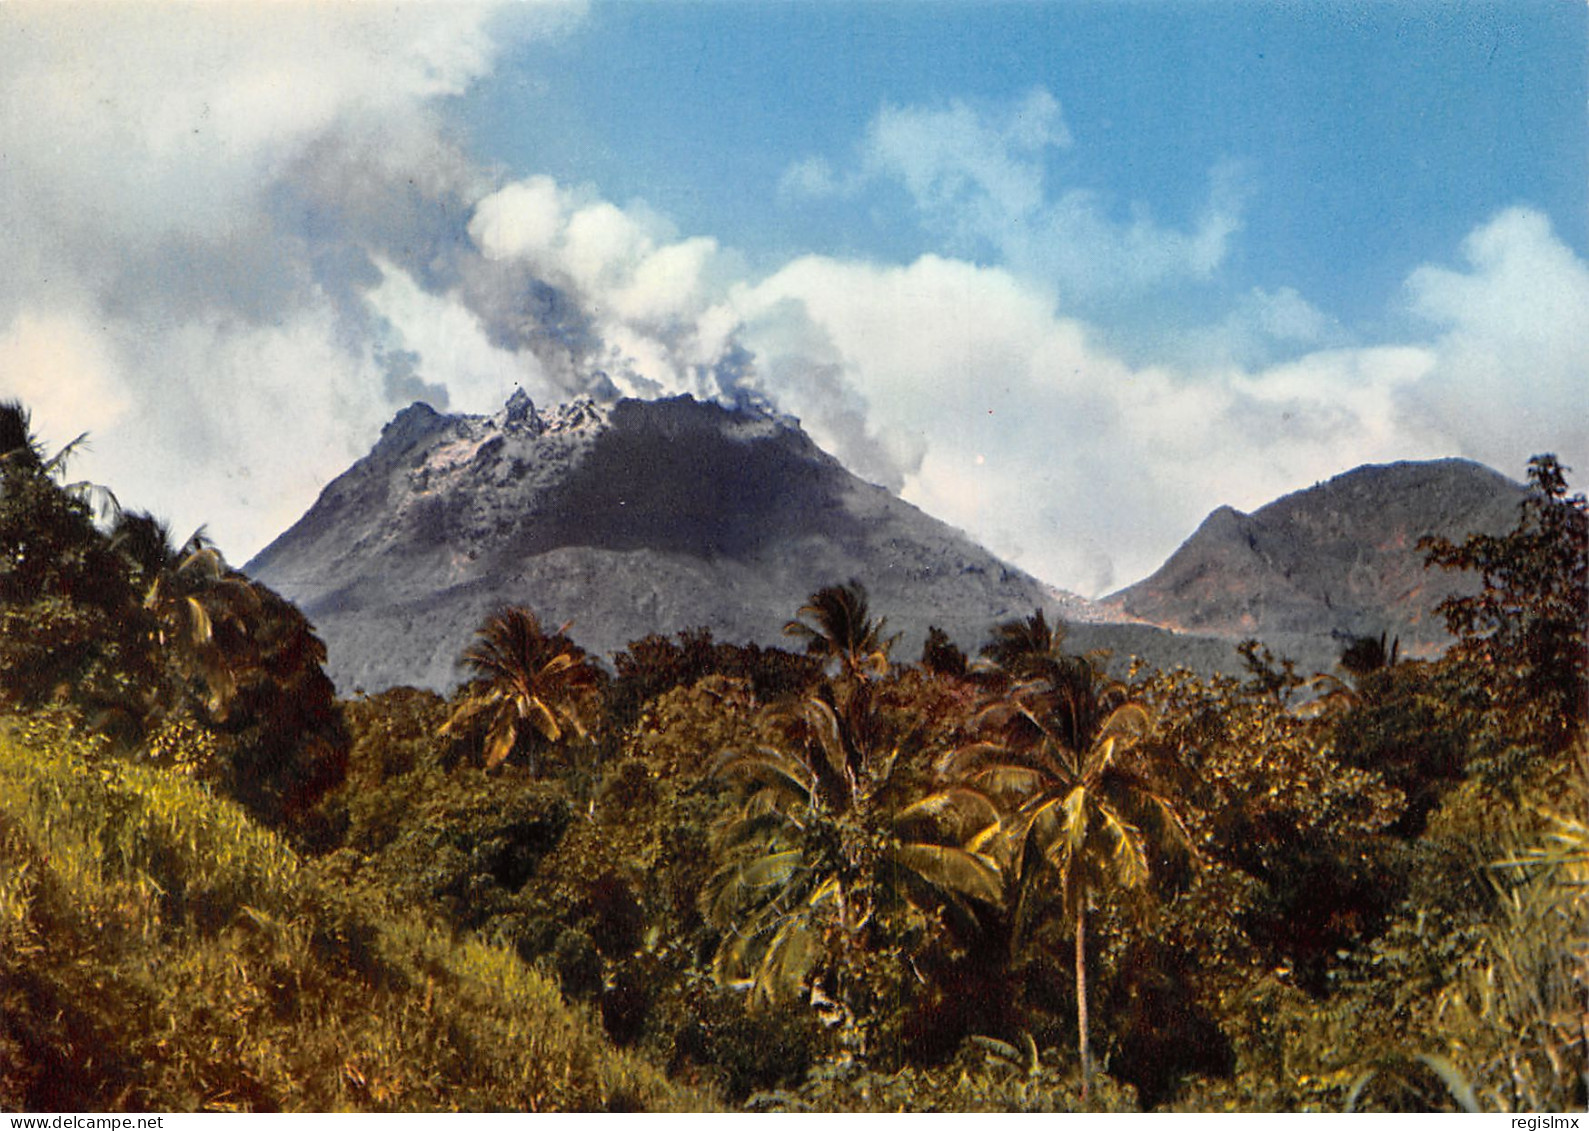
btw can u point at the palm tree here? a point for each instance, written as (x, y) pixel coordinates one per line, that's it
(1363, 659)
(1048, 687)
(185, 586)
(528, 684)
(941, 656)
(64, 592)
(1082, 803)
(21, 451)
(1074, 695)
(20, 448)
(836, 624)
(1365, 655)
(1023, 648)
(189, 591)
(823, 845)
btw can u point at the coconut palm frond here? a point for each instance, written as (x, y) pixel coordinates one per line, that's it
(785, 964)
(534, 710)
(953, 869)
(961, 805)
(17, 443)
(1128, 857)
(1009, 782)
(98, 498)
(1077, 811)
(499, 741)
(836, 625)
(1130, 721)
(535, 686)
(773, 870)
(773, 769)
(992, 841)
(825, 729)
(203, 626)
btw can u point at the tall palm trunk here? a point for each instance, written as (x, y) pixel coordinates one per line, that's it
(1081, 997)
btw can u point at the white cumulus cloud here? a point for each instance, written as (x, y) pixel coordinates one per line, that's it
(979, 177)
(1511, 377)
(1006, 417)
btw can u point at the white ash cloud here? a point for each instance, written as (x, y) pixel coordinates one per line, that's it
(195, 208)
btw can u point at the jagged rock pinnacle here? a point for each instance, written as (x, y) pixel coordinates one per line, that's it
(519, 414)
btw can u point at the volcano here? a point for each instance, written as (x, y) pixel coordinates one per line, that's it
(620, 520)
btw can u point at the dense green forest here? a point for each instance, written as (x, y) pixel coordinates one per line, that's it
(832, 878)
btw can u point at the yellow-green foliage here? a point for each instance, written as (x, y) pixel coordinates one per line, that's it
(985, 1075)
(1515, 1015)
(648, 825)
(1471, 1000)
(181, 743)
(108, 826)
(158, 950)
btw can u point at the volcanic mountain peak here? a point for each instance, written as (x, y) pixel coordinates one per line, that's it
(627, 519)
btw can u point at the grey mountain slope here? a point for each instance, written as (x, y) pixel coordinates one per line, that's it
(1337, 559)
(624, 520)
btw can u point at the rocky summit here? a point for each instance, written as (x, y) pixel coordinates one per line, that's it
(620, 520)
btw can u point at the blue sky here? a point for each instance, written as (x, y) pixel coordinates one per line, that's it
(1066, 275)
(1413, 122)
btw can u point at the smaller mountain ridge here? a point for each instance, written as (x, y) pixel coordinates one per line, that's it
(1335, 560)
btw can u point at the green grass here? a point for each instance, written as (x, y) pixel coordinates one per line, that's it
(159, 950)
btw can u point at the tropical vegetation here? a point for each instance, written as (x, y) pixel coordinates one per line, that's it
(706, 876)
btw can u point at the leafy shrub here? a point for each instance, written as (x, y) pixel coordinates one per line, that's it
(987, 1075)
(654, 665)
(1267, 798)
(468, 845)
(1407, 724)
(1522, 638)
